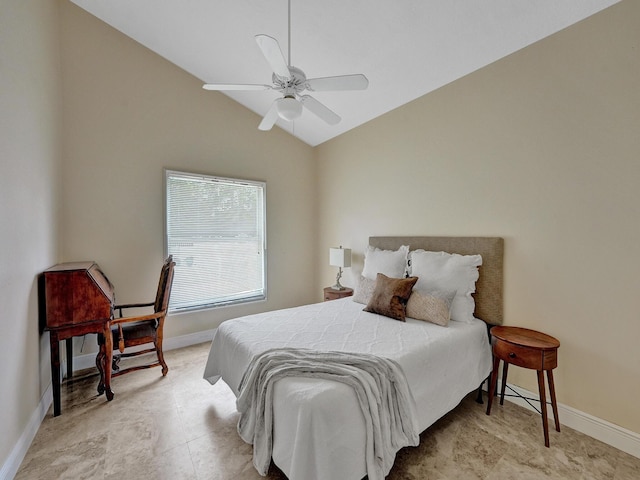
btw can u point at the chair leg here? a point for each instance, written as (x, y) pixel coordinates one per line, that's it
(158, 345)
(115, 363)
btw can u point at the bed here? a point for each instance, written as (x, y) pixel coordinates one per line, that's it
(319, 431)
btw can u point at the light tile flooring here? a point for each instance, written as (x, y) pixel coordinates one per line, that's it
(180, 427)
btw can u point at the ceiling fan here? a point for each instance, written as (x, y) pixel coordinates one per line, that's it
(292, 82)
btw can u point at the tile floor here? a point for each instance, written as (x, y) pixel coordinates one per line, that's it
(180, 427)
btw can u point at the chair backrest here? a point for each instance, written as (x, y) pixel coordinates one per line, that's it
(164, 286)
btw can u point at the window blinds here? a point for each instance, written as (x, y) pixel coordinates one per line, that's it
(215, 230)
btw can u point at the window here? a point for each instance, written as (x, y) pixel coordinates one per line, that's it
(215, 230)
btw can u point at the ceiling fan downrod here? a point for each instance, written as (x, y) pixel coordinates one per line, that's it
(289, 31)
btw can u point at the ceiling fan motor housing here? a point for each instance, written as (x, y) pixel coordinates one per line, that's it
(293, 85)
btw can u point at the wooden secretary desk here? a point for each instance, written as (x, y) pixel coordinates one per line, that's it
(78, 299)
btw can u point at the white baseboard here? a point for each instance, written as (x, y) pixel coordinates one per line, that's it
(600, 429)
(12, 464)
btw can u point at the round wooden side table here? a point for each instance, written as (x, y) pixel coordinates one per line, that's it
(528, 349)
(331, 294)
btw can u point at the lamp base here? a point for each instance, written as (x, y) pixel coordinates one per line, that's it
(337, 286)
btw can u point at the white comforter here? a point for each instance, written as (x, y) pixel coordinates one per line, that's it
(312, 439)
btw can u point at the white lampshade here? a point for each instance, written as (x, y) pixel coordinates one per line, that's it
(289, 108)
(340, 257)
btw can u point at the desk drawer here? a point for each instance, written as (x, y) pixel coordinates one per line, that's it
(523, 356)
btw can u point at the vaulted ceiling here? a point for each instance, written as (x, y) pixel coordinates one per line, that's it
(406, 48)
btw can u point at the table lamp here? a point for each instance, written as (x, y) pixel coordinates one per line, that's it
(341, 258)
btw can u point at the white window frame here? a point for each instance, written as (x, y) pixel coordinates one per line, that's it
(176, 247)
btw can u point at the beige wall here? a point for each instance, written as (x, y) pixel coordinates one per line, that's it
(542, 148)
(128, 114)
(29, 161)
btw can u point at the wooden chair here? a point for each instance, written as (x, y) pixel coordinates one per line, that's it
(139, 330)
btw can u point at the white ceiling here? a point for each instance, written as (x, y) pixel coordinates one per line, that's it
(406, 48)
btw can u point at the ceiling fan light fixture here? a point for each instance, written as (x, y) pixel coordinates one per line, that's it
(289, 108)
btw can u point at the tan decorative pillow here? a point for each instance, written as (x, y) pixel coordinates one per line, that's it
(434, 307)
(390, 296)
(364, 291)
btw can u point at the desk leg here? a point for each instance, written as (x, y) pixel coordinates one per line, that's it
(69, 342)
(54, 344)
(543, 407)
(108, 359)
(552, 393)
(494, 381)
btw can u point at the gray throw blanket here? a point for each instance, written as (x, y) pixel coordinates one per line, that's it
(379, 383)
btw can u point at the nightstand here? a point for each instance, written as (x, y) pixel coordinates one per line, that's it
(331, 294)
(527, 349)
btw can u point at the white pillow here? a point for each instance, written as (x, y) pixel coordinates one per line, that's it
(447, 272)
(392, 263)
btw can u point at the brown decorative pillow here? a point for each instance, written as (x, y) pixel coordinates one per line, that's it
(390, 296)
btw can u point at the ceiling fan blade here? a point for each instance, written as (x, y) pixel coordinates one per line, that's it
(270, 118)
(342, 82)
(314, 106)
(235, 86)
(271, 51)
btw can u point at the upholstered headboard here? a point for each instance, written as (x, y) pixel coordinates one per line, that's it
(488, 296)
